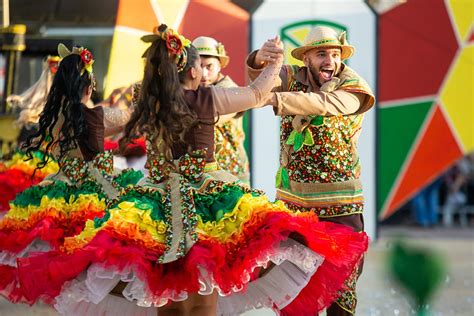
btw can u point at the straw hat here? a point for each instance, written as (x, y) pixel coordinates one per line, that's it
(323, 36)
(208, 46)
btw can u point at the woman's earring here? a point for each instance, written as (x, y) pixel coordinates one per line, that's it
(93, 84)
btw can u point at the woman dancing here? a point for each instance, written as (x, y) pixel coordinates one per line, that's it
(72, 133)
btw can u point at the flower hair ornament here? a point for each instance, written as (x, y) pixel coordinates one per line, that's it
(53, 63)
(84, 53)
(175, 43)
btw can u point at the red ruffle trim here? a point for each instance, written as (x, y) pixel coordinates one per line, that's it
(43, 275)
(110, 144)
(12, 182)
(51, 229)
(8, 284)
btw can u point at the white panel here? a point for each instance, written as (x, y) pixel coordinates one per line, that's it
(271, 16)
(265, 150)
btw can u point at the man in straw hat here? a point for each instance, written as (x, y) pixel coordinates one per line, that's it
(322, 106)
(229, 133)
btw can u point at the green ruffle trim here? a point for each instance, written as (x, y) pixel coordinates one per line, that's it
(213, 206)
(128, 177)
(142, 200)
(58, 189)
(40, 155)
(209, 206)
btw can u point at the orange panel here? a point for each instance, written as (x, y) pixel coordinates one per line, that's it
(436, 151)
(136, 14)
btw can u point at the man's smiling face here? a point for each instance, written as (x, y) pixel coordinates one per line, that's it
(323, 63)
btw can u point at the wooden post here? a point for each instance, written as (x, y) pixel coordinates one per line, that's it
(13, 45)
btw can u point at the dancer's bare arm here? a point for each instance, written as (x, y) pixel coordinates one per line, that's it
(258, 59)
(233, 100)
(115, 120)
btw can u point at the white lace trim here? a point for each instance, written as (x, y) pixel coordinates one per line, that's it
(9, 258)
(294, 266)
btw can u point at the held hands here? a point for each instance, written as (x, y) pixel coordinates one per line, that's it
(270, 54)
(271, 51)
(271, 99)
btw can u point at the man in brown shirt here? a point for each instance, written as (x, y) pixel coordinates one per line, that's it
(322, 106)
(230, 153)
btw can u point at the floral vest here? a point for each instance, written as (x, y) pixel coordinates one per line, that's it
(320, 167)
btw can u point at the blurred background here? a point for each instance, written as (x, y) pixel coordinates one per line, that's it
(416, 146)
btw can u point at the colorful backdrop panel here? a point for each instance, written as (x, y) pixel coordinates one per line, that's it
(425, 79)
(138, 17)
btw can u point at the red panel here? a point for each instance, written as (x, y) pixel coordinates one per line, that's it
(435, 153)
(225, 22)
(471, 38)
(417, 45)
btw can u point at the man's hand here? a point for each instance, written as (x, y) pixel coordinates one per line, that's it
(271, 99)
(271, 51)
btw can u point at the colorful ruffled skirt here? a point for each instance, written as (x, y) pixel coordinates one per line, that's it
(41, 217)
(162, 242)
(16, 175)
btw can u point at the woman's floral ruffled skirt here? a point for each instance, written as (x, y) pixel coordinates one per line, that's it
(158, 243)
(43, 215)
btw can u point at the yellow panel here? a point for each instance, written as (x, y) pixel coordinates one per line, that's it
(126, 64)
(299, 34)
(288, 48)
(463, 13)
(9, 133)
(290, 60)
(172, 11)
(8, 127)
(457, 97)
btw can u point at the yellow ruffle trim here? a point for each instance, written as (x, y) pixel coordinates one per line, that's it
(58, 207)
(130, 223)
(18, 162)
(247, 208)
